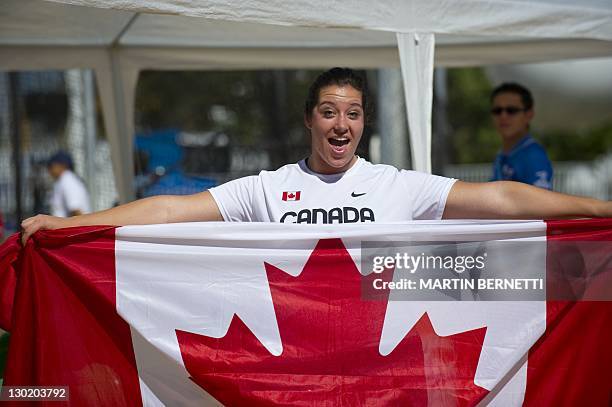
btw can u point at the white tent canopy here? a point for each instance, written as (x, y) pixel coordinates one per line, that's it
(119, 38)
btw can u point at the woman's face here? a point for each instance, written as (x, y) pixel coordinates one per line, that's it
(336, 126)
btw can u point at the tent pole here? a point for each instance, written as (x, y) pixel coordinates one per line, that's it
(440, 147)
(16, 143)
(116, 86)
(416, 52)
(90, 134)
(391, 121)
(124, 130)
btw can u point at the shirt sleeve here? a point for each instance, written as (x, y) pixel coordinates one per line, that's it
(235, 198)
(429, 194)
(538, 171)
(76, 197)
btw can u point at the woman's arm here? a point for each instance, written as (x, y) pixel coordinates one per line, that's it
(513, 200)
(156, 209)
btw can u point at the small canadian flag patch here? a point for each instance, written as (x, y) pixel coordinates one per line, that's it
(291, 196)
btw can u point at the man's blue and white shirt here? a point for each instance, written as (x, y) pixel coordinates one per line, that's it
(527, 162)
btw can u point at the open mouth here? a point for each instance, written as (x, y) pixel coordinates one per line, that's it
(338, 142)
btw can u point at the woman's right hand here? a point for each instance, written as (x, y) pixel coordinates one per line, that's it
(39, 222)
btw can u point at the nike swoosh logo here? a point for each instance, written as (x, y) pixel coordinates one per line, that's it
(354, 195)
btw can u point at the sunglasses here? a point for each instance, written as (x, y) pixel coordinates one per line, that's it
(511, 110)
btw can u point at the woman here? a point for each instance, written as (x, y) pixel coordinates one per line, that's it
(333, 185)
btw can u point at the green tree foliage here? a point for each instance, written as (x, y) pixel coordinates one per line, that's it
(255, 102)
(185, 100)
(474, 140)
(473, 137)
(264, 109)
(260, 109)
(583, 146)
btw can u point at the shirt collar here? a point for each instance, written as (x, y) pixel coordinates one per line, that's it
(522, 143)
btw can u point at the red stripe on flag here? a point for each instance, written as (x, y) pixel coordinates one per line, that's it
(572, 363)
(65, 328)
(66, 331)
(9, 252)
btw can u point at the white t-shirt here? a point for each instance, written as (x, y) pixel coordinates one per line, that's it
(69, 194)
(365, 193)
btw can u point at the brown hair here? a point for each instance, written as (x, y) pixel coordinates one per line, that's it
(340, 77)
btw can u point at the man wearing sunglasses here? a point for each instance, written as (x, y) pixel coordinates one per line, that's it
(521, 159)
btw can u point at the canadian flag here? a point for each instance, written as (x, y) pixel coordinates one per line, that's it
(291, 195)
(271, 314)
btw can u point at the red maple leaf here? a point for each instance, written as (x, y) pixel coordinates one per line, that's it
(330, 354)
